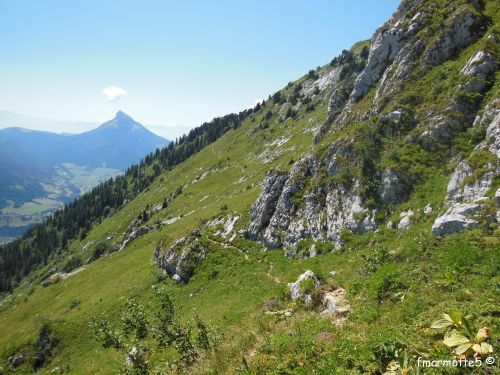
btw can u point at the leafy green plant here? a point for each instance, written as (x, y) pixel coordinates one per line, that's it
(378, 257)
(460, 336)
(388, 352)
(387, 284)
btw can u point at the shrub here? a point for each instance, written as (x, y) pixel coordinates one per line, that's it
(72, 263)
(307, 285)
(42, 349)
(100, 250)
(138, 331)
(291, 113)
(312, 75)
(277, 97)
(386, 283)
(378, 257)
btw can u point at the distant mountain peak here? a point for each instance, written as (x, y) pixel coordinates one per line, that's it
(120, 115)
(122, 121)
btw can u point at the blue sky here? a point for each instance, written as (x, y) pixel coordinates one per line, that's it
(181, 63)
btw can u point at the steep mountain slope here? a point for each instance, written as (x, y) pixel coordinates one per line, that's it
(39, 171)
(378, 172)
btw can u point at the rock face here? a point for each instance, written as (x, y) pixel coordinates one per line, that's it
(324, 80)
(182, 258)
(263, 209)
(464, 27)
(450, 223)
(286, 212)
(141, 231)
(391, 42)
(397, 46)
(224, 226)
(479, 68)
(467, 189)
(394, 187)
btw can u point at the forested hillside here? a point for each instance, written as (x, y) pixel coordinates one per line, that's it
(20, 257)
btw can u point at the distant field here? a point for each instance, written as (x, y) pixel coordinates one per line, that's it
(70, 181)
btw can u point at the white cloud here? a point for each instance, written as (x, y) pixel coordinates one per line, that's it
(112, 93)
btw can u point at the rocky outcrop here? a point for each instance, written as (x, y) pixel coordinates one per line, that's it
(263, 209)
(397, 46)
(224, 226)
(464, 26)
(405, 221)
(391, 42)
(335, 303)
(394, 187)
(141, 231)
(271, 214)
(450, 223)
(58, 276)
(182, 257)
(468, 187)
(491, 120)
(324, 80)
(297, 288)
(441, 129)
(478, 69)
(289, 210)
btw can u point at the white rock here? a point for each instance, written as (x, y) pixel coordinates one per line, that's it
(129, 359)
(466, 199)
(428, 209)
(387, 45)
(312, 251)
(335, 303)
(296, 291)
(451, 223)
(404, 223)
(395, 116)
(393, 188)
(482, 64)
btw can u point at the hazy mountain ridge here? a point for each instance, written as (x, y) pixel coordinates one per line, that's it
(37, 165)
(11, 119)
